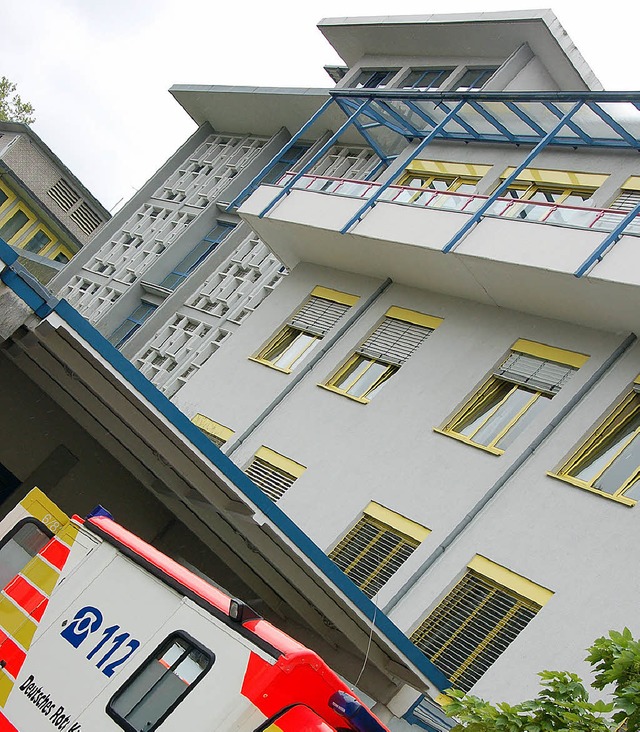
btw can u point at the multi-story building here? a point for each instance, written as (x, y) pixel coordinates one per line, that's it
(443, 392)
(46, 214)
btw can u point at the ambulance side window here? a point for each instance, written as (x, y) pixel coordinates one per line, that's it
(160, 683)
(22, 543)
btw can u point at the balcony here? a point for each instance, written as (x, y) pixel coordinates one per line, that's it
(596, 219)
(521, 255)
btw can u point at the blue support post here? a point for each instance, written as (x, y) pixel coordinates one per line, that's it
(609, 241)
(473, 220)
(248, 190)
(314, 159)
(371, 202)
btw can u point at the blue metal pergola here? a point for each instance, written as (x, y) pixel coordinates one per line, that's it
(390, 119)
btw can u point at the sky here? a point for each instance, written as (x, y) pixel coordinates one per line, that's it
(98, 71)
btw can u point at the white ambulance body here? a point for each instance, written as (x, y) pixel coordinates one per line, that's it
(101, 632)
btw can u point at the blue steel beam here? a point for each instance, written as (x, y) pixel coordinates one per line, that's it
(421, 113)
(615, 126)
(314, 159)
(571, 125)
(382, 188)
(525, 118)
(372, 114)
(396, 115)
(362, 129)
(473, 220)
(492, 120)
(465, 125)
(248, 190)
(609, 241)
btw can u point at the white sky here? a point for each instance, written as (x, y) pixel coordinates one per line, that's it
(98, 71)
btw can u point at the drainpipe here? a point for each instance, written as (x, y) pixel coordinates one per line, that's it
(507, 475)
(295, 380)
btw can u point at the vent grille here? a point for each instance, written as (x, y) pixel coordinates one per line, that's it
(371, 553)
(393, 341)
(63, 194)
(626, 201)
(86, 218)
(271, 480)
(318, 315)
(472, 627)
(536, 373)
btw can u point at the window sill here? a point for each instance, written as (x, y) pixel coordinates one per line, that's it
(328, 387)
(461, 438)
(269, 364)
(628, 502)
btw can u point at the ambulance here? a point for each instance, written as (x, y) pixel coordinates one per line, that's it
(100, 632)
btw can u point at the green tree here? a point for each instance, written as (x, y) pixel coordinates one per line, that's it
(563, 703)
(12, 108)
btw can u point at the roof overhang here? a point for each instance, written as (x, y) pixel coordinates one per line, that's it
(87, 376)
(474, 35)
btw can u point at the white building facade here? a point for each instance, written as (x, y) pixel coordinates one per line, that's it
(443, 393)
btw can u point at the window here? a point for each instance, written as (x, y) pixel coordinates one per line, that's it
(37, 242)
(131, 324)
(625, 202)
(516, 392)
(22, 543)
(475, 79)
(16, 224)
(376, 547)
(481, 616)
(374, 78)
(566, 188)
(305, 329)
(160, 684)
(285, 163)
(197, 255)
(609, 461)
(385, 350)
(432, 175)
(425, 79)
(7, 196)
(217, 433)
(273, 473)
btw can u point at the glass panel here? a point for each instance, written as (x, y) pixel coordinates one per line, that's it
(171, 281)
(11, 227)
(37, 242)
(355, 371)
(622, 468)
(161, 683)
(612, 443)
(487, 401)
(28, 540)
(288, 350)
(368, 379)
(531, 413)
(3, 197)
(507, 411)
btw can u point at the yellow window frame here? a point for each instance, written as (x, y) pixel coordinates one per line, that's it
(212, 429)
(31, 220)
(410, 535)
(11, 197)
(46, 249)
(488, 389)
(597, 440)
(291, 333)
(498, 579)
(397, 313)
(484, 396)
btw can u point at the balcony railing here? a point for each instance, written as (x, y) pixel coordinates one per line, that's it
(597, 219)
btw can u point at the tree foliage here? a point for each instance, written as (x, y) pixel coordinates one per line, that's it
(12, 108)
(563, 703)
